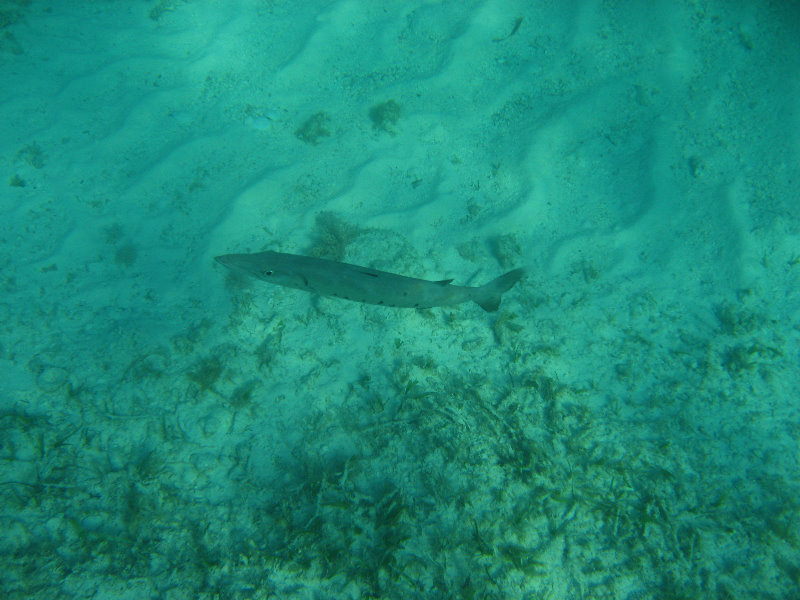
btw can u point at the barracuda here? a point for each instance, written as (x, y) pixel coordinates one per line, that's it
(362, 284)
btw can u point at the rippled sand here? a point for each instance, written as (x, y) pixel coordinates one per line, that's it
(625, 427)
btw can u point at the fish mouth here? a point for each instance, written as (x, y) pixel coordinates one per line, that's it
(237, 262)
(230, 261)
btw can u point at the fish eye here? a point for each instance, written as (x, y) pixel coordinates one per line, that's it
(267, 273)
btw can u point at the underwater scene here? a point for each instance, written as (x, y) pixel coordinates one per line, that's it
(403, 299)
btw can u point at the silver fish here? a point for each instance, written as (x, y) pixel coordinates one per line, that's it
(362, 284)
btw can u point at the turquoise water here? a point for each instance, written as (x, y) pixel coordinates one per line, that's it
(625, 426)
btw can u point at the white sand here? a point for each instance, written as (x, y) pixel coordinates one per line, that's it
(625, 427)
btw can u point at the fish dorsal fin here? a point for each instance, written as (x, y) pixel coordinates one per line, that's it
(444, 282)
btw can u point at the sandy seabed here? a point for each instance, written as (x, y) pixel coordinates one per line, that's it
(626, 426)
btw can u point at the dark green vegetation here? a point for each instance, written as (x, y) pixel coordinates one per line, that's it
(384, 116)
(12, 12)
(32, 154)
(643, 479)
(314, 128)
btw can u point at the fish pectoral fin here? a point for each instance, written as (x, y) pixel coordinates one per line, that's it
(444, 282)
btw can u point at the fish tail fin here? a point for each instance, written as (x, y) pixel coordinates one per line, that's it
(488, 296)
